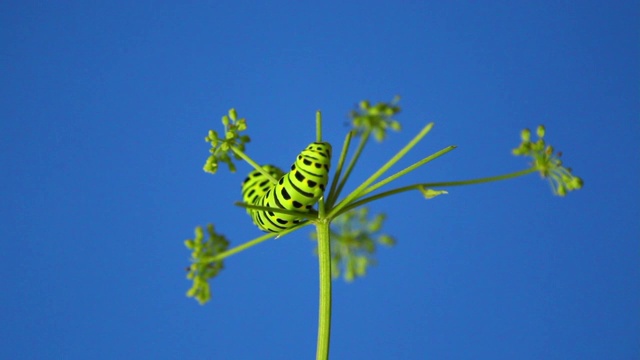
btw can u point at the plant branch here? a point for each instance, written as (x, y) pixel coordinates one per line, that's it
(239, 248)
(358, 191)
(255, 165)
(336, 177)
(354, 159)
(407, 170)
(433, 185)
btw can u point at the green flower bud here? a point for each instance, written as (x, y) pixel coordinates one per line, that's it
(576, 182)
(561, 190)
(242, 125)
(386, 240)
(233, 114)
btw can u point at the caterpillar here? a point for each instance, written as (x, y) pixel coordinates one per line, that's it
(297, 190)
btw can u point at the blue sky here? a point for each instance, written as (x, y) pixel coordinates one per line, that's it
(104, 107)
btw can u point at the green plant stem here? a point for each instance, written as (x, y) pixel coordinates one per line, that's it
(324, 313)
(407, 170)
(343, 155)
(321, 208)
(254, 164)
(358, 191)
(239, 248)
(433, 185)
(251, 243)
(354, 159)
(318, 126)
(302, 224)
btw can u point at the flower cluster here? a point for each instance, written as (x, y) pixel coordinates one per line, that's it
(222, 149)
(376, 118)
(203, 267)
(547, 162)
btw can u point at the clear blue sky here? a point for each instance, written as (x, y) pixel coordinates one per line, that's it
(103, 110)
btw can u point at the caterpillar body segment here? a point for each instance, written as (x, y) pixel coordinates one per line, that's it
(298, 190)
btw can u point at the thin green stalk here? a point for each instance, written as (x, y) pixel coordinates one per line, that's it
(433, 185)
(321, 212)
(318, 126)
(295, 228)
(239, 248)
(254, 164)
(358, 191)
(253, 242)
(336, 177)
(324, 312)
(363, 141)
(407, 170)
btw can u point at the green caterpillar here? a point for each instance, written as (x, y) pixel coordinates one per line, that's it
(297, 190)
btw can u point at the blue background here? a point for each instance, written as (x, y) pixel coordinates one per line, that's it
(103, 110)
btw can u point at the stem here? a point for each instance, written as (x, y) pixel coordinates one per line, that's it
(321, 212)
(343, 155)
(407, 170)
(239, 248)
(254, 164)
(363, 201)
(358, 191)
(253, 242)
(318, 126)
(295, 228)
(324, 263)
(354, 159)
(324, 313)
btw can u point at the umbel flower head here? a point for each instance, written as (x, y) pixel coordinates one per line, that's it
(547, 162)
(202, 267)
(224, 148)
(376, 118)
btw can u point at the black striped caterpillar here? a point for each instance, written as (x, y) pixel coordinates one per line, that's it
(297, 190)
